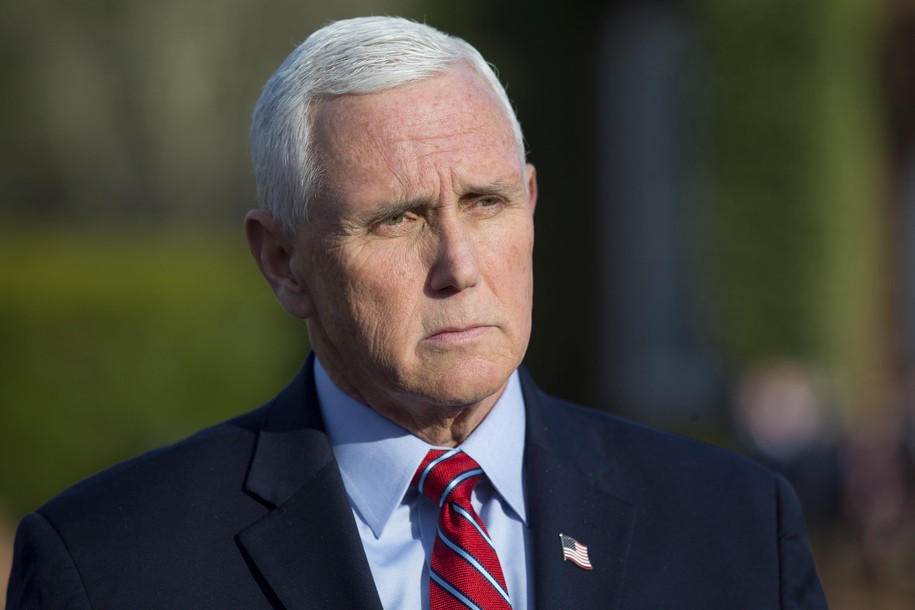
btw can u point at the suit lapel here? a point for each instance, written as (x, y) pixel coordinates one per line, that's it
(309, 552)
(565, 497)
(306, 550)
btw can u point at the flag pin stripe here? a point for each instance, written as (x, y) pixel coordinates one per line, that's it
(574, 551)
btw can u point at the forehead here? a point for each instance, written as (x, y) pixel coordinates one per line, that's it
(451, 123)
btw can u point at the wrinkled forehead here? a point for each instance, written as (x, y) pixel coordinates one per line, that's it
(453, 118)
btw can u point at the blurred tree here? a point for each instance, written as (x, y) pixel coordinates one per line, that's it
(138, 111)
(795, 208)
(114, 343)
(899, 82)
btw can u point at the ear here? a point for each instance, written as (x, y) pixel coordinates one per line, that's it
(531, 186)
(273, 249)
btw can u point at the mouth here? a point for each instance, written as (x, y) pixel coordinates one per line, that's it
(459, 334)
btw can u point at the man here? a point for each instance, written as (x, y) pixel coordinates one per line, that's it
(396, 217)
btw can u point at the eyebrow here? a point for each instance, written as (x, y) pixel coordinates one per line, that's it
(505, 188)
(509, 189)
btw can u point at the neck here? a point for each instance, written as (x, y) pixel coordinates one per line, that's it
(437, 423)
(441, 426)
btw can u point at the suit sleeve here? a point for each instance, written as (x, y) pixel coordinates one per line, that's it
(44, 576)
(800, 585)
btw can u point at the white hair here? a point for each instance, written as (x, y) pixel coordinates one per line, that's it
(353, 56)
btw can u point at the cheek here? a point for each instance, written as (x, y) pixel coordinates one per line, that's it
(380, 292)
(510, 257)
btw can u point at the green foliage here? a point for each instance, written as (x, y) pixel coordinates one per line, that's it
(793, 229)
(139, 110)
(114, 344)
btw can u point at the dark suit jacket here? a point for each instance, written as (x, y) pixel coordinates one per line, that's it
(252, 514)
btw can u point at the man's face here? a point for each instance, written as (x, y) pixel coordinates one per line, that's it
(417, 256)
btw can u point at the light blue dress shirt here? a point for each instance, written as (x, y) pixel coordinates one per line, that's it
(377, 459)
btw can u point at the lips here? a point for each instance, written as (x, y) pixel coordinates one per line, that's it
(450, 334)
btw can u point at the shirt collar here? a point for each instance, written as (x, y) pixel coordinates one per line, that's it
(377, 458)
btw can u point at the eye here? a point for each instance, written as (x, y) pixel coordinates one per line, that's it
(397, 223)
(487, 204)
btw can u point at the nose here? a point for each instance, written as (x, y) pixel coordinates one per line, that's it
(455, 267)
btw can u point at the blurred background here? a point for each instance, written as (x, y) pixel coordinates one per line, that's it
(726, 235)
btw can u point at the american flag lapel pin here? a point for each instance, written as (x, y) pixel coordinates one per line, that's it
(574, 551)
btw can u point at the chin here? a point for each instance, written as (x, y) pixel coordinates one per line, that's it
(469, 383)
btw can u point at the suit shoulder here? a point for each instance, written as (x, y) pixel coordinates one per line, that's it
(613, 439)
(154, 518)
(221, 451)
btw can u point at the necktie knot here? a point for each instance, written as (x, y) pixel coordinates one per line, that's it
(447, 475)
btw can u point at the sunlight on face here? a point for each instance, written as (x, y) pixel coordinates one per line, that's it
(417, 258)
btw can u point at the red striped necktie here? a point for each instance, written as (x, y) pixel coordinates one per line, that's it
(465, 571)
